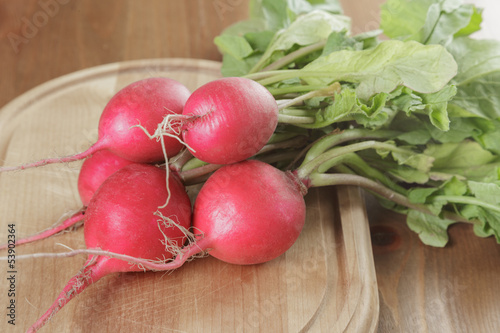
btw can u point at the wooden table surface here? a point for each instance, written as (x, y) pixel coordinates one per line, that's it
(421, 289)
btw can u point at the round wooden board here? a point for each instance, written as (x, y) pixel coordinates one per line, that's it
(324, 283)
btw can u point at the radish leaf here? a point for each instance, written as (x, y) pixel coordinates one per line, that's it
(422, 68)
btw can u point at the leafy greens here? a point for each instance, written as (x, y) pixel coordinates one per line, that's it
(413, 105)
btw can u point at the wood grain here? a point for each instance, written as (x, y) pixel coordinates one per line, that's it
(421, 289)
(83, 34)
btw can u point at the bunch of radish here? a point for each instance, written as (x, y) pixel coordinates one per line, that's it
(135, 209)
(218, 120)
(136, 212)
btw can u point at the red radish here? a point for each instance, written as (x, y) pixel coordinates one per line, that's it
(145, 103)
(95, 170)
(228, 120)
(247, 213)
(121, 219)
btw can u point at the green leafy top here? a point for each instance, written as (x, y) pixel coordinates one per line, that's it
(392, 63)
(429, 21)
(413, 106)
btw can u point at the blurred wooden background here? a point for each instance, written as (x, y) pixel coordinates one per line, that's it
(421, 289)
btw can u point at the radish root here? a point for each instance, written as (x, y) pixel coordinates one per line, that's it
(165, 128)
(66, 224)
(171, 244)
(89, 274)
(144, 264)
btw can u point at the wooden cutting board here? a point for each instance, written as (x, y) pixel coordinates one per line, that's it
(324, 283)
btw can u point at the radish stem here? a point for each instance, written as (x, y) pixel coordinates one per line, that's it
(323, 179)
(467, 201)
(331, 90)
(294, 89)
(337, 137)
(321, 162)
(291, 57)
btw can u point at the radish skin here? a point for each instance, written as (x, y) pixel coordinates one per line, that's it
(121, 218)
(250, 213)
(145, 103)
(95, 170)
(227, 120)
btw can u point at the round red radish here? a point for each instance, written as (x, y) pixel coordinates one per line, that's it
(249, 212)
(231, 119)
(145, 103)
(120, 219)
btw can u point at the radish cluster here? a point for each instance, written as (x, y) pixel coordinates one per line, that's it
(136, 212)
(218, 120)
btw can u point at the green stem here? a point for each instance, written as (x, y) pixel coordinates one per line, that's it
(295, 120)
(264, 75)
(336, 137)
(178, 161)
(282, 136)
(322, 179)
(294, 89)
(193, 163)
(297, 74)
(332, 179)
(328, 91)
(467, 201)
(294, 142)
(298, 112)
(360, 167)
(317, 163)
(291, 57)
(191, 176)
(271, 77)
(342, 169)
(282, 156)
